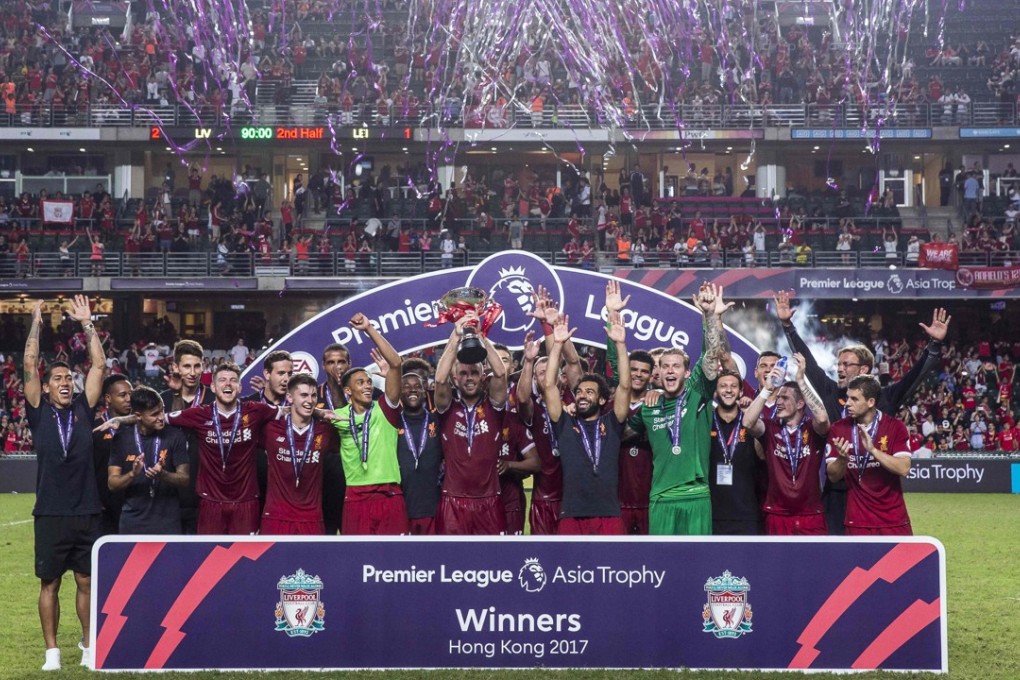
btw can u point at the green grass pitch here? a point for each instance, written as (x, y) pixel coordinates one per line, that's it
(981, 534)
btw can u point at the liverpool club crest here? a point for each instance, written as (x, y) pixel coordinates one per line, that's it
(300, 612)
(727, 613)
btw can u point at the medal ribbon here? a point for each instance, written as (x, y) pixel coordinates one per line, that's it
(729, 447)
(793, 452)
(299, 466)
(861, 459)
(553, 441)
(594, 453)
(363, 444)
(225, 452)
(674, 428)
(415, 453)
(329, 395)
(155, 458)
(469, 416)
(64, 430)
(199, 396)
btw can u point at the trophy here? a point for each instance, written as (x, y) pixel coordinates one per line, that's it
(455, 304)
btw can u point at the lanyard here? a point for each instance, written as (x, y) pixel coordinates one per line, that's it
(553, 441)
(199, 396)
(594, 453)
(793, 451)
(729, 447)
(299, 465)
(861, 459)
(364, 432)
(64, 430)
(674, 429)
(470, 413)
(415, 451)
(155, 459)
(225, 452)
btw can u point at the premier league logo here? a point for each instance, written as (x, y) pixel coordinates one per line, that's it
(532, 576)
(510, 280)
(727, 614)
(300, 612)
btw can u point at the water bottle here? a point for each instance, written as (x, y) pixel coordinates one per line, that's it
(778, 380)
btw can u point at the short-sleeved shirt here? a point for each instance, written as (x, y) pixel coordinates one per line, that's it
(788, 494)
(736, 502)
(293, 487)
(381, 466)
(65, 484)
(419, 476)
(471, 468)
(683, 475)
(150, 506)
(234, 480)
(590, 484)
(874, 495)
(635, 480)
(517, 440)
(548, 483)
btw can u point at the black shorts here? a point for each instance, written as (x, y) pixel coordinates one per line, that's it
(65, 542)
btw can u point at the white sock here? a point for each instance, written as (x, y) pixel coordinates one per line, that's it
(52, 659)
(86, 654)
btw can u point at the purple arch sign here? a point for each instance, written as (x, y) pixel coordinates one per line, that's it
(401, 309)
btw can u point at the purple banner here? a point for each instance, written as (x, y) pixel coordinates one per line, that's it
(591, 602)
(209, 283)
(401, 309)
(40, 284)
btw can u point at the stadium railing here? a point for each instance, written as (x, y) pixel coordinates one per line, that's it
(396, 264)
(302, 109)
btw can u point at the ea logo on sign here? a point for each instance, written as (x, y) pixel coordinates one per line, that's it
(511, 279)
(532, 576)
(303, 362)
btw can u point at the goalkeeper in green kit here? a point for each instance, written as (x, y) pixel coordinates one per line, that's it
(678, 424)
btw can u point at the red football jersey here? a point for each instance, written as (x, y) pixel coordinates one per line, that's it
(874, 495)
(790, 494)
(293, 489)
(635, 481)
(471, 467)
(232, 480)
(517, 440)
(548, 484)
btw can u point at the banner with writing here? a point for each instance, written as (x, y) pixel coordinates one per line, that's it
(939, 255)
(189, 603)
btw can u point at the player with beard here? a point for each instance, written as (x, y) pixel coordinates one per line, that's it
(296, 446)
(732, 477)
(336, 360)
(679, 428)
(67, 508)
(793, 442)
(518, 457)
(117, 402)
(149, 464)
(869, 450)
(851, 362)
(374, 502)
(419, 456)
(589, 442)
(185, 389)
(471, 423)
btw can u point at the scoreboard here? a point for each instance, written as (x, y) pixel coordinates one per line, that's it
(283, 133)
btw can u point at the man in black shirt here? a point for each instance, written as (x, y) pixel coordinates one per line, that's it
(419, 455)
(588, 442)
(149, 463)
(117, 400)
(733, 465)
(185, 390)
(67, 506)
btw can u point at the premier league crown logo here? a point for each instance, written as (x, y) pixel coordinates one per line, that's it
(300, 612)
(727, 614)
(511, 279)
(532, 576)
